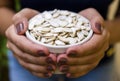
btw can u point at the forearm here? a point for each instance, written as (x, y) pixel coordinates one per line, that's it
(114, 29)
(6, 15)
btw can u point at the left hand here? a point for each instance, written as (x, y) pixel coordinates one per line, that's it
(81, 59)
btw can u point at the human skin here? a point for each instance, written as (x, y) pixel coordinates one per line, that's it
(83, 57)
(24, 53)
(38, 62)
(6, 14)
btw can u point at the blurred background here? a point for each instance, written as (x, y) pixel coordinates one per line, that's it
(4, 72)
(3, 60)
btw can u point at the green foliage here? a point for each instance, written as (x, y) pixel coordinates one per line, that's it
(17, 5)
(3, 60)
(3, 51)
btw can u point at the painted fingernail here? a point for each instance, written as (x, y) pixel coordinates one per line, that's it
(62, 61)
(41, 53)
(65, 69)
(72, 54)
(49, 60)
(50, 68)
(19, 27)
(98, 26)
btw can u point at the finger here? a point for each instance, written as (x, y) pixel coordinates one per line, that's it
(62, 59)
(32, 59)
(26, 45)
(36, 68)
(40, 72)
(91, 46)
(52, 59)
(20, 20)
(95, 19)
(81, 61)
(78, 68)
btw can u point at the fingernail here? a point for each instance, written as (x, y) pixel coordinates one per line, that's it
(49, 60)
(50, 68)
(62, 61)
(65, 69)
(98, 26)
(41, 53)
(46, 75)
(19, 27)
(72, 54)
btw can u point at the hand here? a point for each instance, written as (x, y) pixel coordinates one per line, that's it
(33, 57)
(81, 59)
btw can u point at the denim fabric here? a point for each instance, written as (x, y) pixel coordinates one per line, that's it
(18, 73)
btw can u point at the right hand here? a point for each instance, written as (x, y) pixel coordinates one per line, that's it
(33, 57)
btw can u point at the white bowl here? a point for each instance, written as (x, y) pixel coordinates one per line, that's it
(58, 49)
(52, 48)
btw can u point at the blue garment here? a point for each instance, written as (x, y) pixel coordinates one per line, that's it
(18, 73)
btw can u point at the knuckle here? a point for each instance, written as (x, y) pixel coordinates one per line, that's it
(23, 64)
(7, 33)
(92, 9)
(34, 69)
(25, 9)
(16, 17)
(26, 66)
(29, 10)
(36, 74)
(24, 56)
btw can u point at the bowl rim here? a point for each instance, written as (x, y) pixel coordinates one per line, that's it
(30, 37)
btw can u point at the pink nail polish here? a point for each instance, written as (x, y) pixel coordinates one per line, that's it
(19, 27)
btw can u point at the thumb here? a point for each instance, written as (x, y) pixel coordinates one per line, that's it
(95, 19)
(20, 20)
(21, 26)
(96, 25)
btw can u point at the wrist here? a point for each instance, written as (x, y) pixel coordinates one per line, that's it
(6, 19)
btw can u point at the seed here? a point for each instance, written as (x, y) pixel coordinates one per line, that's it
(59, 43)
(72, 40)
(80, 36)
(47, 15)
(54, 23)
(63, 39)
(59, 27)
